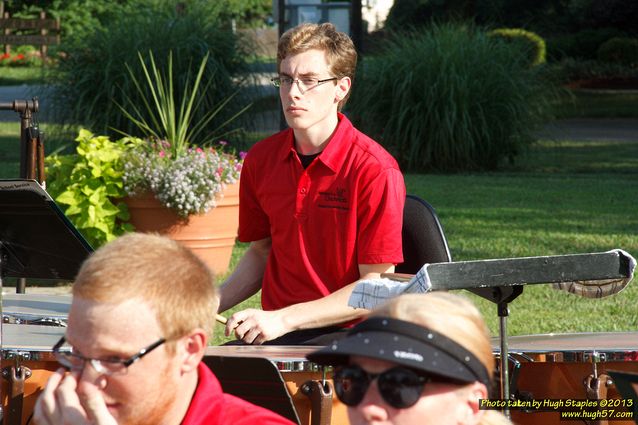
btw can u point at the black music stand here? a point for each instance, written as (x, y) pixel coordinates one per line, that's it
(37, 240)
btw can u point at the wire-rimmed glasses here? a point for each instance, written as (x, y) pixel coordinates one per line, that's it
(304, 84)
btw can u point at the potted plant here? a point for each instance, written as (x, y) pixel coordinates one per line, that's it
(186, 191)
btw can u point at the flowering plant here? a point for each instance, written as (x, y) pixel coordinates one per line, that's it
(183, 177)
(6, 59)
(188, 183)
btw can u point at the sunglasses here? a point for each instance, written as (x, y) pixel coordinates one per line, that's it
(399, 387)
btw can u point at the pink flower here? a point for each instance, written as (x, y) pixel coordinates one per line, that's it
(242, 155)
(223, 142)
(162, 154)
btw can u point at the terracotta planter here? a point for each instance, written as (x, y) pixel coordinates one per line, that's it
(211, 236)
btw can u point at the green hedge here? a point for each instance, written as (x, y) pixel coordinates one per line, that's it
(620, 50)
(450, 98)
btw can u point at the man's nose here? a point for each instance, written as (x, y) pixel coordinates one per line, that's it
(296, 85)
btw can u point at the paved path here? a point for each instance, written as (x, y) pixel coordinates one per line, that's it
(599, 129)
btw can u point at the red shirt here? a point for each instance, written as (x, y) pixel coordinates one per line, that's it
(345, 209)
(210, 406)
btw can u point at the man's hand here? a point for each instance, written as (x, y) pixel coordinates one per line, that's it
(62, 402)
(256, 326)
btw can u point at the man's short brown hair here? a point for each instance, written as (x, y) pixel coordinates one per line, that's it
(340, 52)
(176, 283)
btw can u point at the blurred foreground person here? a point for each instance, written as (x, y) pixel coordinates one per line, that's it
(417, 360)
(137, 330)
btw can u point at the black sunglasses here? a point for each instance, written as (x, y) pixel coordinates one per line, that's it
(400, 387)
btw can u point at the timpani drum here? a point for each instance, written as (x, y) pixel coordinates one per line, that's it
(568, 366)
(242, 371)
(35, 309)
(27, 363)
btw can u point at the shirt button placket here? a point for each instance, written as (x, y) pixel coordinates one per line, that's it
(302, 191)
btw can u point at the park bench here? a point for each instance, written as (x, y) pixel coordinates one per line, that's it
(41, 31)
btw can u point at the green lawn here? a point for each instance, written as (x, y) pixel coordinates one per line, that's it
(10, 76)
(56, 138)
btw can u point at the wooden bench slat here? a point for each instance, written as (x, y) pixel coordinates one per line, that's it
(29, 39)
(25, 24)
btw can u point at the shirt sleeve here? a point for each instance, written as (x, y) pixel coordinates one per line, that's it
(380, 219)
(254, 224)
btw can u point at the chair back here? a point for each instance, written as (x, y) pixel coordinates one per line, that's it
(423, 237)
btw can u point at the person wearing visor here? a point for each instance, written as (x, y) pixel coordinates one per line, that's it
(421, 359)
(320, 203)
(137, 330)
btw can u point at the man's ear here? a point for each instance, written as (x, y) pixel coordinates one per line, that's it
(343, 87)
(192, 349)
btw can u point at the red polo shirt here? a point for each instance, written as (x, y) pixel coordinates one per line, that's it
(345, 209)
(210, 406)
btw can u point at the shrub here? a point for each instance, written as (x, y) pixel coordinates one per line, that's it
(621, 50)
(581, 44)
(449, 99)
(93, 77)
(531, 44)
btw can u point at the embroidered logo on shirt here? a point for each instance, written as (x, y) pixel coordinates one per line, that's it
(335, 199)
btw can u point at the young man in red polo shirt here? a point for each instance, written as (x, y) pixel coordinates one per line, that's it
(320, 202)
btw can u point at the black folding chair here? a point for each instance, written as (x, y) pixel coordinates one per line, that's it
(423, 237)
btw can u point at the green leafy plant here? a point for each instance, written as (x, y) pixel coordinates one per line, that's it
(91, 75)
(620, 50)
(162, 117)
(183, 177)
(89, 183)
(450, 98)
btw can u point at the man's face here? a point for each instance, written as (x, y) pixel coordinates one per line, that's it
(310, 109)
(148, 389)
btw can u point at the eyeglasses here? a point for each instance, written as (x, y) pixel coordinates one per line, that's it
(304, 84)
(399, 387)
(109, 366)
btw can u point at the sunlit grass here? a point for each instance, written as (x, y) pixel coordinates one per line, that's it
(15, 76)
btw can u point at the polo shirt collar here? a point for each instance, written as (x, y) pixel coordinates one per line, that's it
(334, 155)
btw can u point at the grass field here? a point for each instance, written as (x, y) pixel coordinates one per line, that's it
(10, 76)
(562, 197)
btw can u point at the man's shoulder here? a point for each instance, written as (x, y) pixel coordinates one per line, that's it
(212, 406)
(371, 151)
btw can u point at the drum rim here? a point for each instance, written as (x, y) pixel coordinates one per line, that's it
(626, 351)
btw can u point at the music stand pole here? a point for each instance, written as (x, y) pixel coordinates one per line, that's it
(503, 313)
(2, 259)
